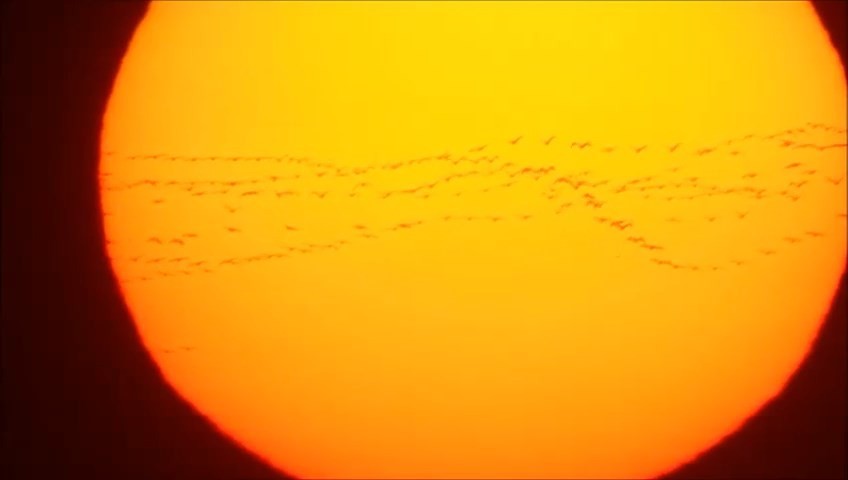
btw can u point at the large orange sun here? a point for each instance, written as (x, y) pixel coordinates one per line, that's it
(477, 240)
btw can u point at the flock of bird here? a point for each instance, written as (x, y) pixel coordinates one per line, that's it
(565, 188)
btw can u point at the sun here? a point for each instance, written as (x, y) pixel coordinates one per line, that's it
(477, 239)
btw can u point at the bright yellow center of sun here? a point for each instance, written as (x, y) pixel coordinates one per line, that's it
(477, 240)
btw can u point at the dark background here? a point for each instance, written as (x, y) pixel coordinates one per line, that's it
(82, 399)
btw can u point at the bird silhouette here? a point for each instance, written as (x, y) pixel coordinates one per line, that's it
(621, 224)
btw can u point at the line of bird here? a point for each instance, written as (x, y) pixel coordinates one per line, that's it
(645, 185)
(175, 266)
(677, 148)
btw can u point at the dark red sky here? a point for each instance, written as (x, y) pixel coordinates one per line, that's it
(81, 399)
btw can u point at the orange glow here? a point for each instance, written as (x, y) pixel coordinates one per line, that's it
(477, 240)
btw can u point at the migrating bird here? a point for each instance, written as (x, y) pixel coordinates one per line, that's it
(835, 181)
(621, 224)
(516, 139)
(672, 148)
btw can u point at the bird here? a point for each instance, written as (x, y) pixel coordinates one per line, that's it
(834, 181)
(291, 228)
(793, 165)
(640, 149)
(814, 234)
(621, 224)
(549, 140)
(156, 240)
(672, 148)
(791, 239)
(515, 140)
(232, 229)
